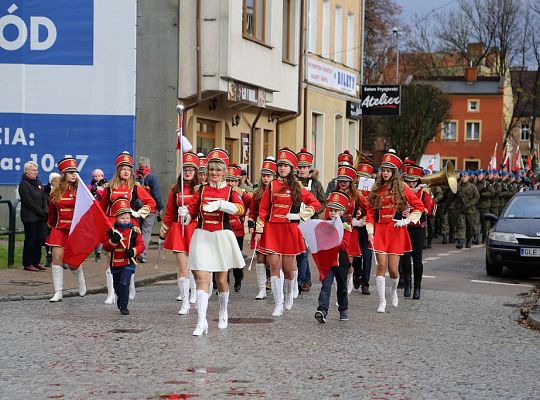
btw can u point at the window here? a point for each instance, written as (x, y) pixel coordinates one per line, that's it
(524, 133)
(312, 20)
(206, 136)
(231, 147)
(326, 28)
(287, 35)
(268, 145)
(338, 135)
(473, 105)
(317, 144)
(471, 165)
(338, 40)
(353, 134)
(255, 19)
(351, 62)
(472, 131)
(445, 160)
(449, 131)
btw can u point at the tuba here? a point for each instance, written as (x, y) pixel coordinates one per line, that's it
(446, 177)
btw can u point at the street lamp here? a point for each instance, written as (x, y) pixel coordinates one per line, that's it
(396, 34)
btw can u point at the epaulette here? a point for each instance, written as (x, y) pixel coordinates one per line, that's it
(238, 190)
(136, 229)
(137, 184)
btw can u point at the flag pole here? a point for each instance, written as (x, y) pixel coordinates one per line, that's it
(180, 111)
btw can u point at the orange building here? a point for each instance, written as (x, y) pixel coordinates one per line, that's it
(476, 121)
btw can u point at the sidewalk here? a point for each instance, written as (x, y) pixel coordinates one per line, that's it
(17, 284)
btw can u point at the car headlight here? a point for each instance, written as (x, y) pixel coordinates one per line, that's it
(503, 237)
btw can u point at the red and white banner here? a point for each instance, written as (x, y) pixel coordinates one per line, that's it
(324, 240)
(88, 227)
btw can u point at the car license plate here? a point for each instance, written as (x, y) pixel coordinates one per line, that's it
(528, 252)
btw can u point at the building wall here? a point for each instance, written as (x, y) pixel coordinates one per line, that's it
(490, 116)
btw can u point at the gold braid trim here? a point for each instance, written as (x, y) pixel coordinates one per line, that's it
(259, 225)
(369, 227)
(415, 216)
(144, 211)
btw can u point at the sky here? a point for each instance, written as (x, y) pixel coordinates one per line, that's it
(422, 7)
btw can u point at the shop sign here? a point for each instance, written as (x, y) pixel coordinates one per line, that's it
(381, 100)
(242, 93)
(354, 110)
(331, 77)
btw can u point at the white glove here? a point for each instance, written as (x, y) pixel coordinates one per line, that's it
(212, 206)
(358, 223)
(402, 222)
(182, 211)
(293, 217)
(135, 214)
(228, 207)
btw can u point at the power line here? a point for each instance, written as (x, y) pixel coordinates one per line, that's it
(433, 11)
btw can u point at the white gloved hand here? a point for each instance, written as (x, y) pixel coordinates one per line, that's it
(293, 217)
(358, 223)
(402, 222)
(182, 211)
(212, 206)
(135, 214)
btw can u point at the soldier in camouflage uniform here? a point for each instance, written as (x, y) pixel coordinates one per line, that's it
(467, 196)
(497, 189)
(486, 191)
(450, 215)
(505, 194)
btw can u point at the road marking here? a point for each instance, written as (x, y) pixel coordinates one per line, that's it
(431, 258)
(502, 283)
(443, 254)
(429, 276)
(454, 251)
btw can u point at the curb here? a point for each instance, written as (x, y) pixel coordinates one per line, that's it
(534, 317)
(95, 290)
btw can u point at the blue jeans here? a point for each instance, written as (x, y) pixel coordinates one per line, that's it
(304, 274)
(340, 273)
(121, 278)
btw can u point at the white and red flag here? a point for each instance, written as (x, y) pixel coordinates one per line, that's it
(324, 240)
(182, 143)
(88, 227)
(493, 161)
(518, 162)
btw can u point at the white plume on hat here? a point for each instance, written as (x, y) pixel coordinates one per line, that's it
(53, 175)
(391, 151)
(271, 158)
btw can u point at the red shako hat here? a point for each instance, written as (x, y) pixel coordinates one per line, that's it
(269, 166)
(412, 172)
(120, 206)
(305, 158)
(124, 158)
(233, 172)
(391, 160)
(365, 170)
(345, 157)
(68, 164)
(346, 173)
(202, 162)
(337, 200)
(287, 156)
(190, 159)
(218, 155)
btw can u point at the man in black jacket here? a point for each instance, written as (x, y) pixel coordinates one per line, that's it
(34, 211)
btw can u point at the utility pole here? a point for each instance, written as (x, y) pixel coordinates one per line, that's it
(396, 34)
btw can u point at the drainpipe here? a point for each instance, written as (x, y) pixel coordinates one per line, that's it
(301, 56)
(252, 143)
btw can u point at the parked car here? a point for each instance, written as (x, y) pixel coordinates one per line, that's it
(514, 240)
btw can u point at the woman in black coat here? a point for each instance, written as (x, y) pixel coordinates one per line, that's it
(33, 215)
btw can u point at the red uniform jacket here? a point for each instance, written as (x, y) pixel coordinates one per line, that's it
(133, 194)
(237, 221)
(425, 198)
(61, 212)
(216, 220)
(132, 238)
(388, 208)
(174, 200)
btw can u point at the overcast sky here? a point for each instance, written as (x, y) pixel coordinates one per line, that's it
(422, 7)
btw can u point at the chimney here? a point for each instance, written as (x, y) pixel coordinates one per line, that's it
(471, 74)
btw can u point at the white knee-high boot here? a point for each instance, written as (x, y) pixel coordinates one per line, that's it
(179, 282)
(296, 292)
(58, 282)
(193, 288)
(380, 280)
(223, 320)
(281, 282)
(260, 269)
(79, 275)
(111, 298)
(289, 293)
(277, 292)
(350, 285)
(202, 305)
(184, 293)
(394, 291)
(132, 291)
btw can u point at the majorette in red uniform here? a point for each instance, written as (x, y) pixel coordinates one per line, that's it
(124, 242)
(237, 221)
(277, 229)
(417, 232)
(61, 209)
(177, 238)
(213, 246)
(123, 186)
(386, 226)
(202, 167)
(268, 172)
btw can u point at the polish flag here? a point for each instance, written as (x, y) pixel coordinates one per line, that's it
(431, 165)
(493, 161)
(182, 143)
(529, 162)
(518, 162)
(88, 227)
(324, 240)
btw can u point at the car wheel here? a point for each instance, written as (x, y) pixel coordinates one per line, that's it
(493, 269)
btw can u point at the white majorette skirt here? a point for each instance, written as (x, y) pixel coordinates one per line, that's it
(214, 251)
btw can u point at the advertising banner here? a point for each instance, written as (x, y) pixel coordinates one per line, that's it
(68, 84)
(381, 100)
(331, 77)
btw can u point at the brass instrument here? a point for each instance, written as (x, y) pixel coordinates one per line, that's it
(446, 177)
(361, 157)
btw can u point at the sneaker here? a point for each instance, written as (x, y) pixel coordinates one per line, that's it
(319, 316)
(141, 259)
(365, 288)
(343, 316)
(124, 311)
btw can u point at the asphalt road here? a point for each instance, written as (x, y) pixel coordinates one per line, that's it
(460, 341)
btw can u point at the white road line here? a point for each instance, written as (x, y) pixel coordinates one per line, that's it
(429, 276)
(443, 254)
(454, 251)
(503, 283)
(431, 258)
